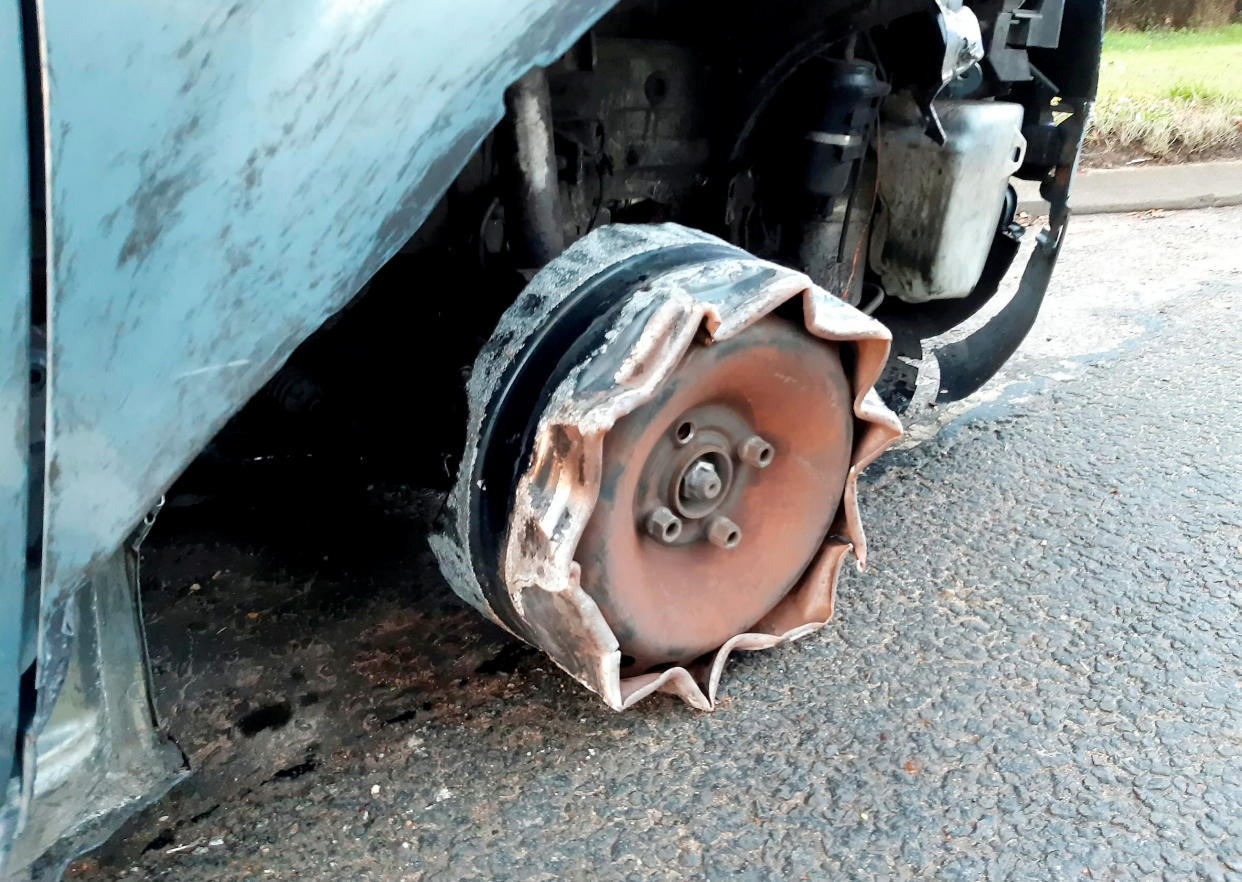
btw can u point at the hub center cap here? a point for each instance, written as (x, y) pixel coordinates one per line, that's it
(701, 483)
(699, 478)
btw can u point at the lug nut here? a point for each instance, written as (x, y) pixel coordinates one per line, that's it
(663, 525)
(702, 483)
(755, 452)
(723, 533)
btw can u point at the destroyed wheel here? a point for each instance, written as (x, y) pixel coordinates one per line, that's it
(660, 467)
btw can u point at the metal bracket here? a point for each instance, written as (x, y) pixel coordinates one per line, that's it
(963, 50)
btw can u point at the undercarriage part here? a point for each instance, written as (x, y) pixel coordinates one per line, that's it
(1019, 26)
(1060, 101)
(531, 197)
(969, 363)
(963, 50)
(102, 748)
(839, 141)
(912, 324)
(658, 470)
(836, 172)
(939, 204)
(966, 364)
(963, 40)
(634, 120)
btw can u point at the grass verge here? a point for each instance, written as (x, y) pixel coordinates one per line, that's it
(1170, 94)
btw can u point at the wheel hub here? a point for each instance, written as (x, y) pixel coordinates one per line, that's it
(747, 532)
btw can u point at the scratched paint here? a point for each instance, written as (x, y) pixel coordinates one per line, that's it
(225, 176)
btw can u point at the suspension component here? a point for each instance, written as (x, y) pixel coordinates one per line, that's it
(839, 141)
(839, 197)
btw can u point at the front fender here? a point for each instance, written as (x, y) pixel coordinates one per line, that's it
(222, 177)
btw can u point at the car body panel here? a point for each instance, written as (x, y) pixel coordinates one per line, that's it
(15, 283)
(222, 177)
(225, 176)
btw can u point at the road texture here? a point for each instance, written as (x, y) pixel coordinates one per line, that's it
(1039, 677)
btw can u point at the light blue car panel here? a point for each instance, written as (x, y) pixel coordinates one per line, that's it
(14, 375)
(224, 176)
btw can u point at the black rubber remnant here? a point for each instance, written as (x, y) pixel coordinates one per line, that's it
(204, 815)
(161, 841)
(297, 771)
(507, 660)
(270, 716)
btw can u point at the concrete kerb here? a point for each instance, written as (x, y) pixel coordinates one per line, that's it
(1145, 187)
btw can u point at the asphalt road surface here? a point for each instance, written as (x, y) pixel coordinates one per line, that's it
(1039, 677)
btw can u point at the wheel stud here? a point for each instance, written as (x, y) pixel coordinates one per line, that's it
(756, 452)
(723, 533)
(663, 525)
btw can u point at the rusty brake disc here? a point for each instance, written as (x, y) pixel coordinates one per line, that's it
(716, 495)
